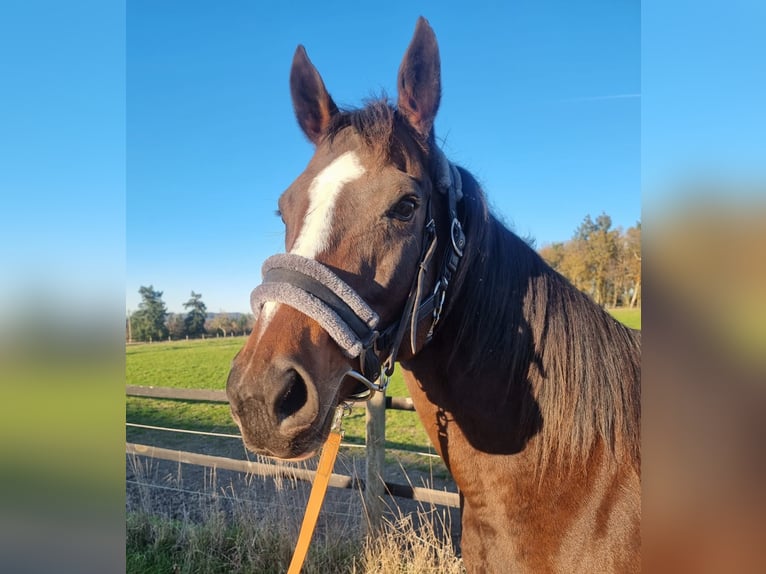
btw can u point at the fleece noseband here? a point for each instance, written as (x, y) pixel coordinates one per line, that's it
(313, 289)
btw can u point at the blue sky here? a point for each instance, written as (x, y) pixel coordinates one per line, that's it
(541, 101)
(62, 158)
(703, 114)
(159, 162)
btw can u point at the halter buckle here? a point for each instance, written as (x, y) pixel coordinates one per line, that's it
(440, 294)
(457, 236)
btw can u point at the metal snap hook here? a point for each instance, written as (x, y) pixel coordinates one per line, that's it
(457, 236)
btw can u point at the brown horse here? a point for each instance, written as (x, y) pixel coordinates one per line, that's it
(529, 391)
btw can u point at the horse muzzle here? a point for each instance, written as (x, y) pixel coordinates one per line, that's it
(278, 413)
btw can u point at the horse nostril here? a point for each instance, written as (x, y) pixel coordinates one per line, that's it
(294, 398)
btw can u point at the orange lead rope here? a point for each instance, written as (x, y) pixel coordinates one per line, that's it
(318, 490)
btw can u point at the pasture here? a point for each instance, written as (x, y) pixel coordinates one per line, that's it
(207, 537)
(205, 363)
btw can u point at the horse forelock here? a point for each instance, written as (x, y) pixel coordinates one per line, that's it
(385, 133)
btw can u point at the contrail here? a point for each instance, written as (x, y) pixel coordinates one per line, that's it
(600, 98)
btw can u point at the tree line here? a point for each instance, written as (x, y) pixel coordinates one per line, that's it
(603, 262)
(153, 322)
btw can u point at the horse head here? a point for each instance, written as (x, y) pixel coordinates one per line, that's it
(358, 221)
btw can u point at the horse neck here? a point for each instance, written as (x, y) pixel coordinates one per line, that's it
(521, 351)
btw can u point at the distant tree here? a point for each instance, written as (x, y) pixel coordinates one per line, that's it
(221, 322)
(554, 254)
(195, 318)
(176, 325)
(575, 264)
(595, 252)
(604, 251)
(148, 322)
(632, 249)
(601, 261)
(245, 323)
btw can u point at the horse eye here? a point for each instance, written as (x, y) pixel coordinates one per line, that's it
(404, 209)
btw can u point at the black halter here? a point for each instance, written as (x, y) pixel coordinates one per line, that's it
(313, 289)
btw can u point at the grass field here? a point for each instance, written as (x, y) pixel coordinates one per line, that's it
(204, 364)
(195, 364)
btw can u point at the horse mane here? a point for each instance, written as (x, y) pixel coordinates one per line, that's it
(522, 320)
(523, 324)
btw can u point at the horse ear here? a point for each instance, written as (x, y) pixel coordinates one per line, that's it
(419, 82)
(312, 103)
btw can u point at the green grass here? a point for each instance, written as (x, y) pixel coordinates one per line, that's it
(204, 364)
(196, 364)
(629, 317)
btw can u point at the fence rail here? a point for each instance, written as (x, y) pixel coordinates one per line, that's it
(420, 494)
(373, 489)
(210, 396)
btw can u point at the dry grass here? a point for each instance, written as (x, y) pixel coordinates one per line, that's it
(411, 544)
(232, 526)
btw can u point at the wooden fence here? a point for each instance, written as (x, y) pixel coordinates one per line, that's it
(373, 486)
(210, 396)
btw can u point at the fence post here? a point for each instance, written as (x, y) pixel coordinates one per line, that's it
(375, 452)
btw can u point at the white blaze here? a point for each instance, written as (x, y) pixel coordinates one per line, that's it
(315, 232)
(323, 194)
(267, 313)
